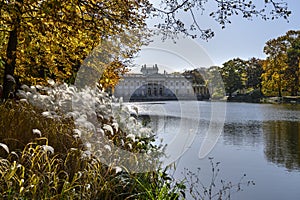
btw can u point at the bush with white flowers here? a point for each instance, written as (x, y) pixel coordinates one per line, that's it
(104, 124)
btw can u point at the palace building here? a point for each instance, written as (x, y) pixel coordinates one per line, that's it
(150, 85)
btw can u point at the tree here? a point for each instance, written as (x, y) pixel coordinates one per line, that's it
(273, 76)
(292, 39)
(194, 76)
(214, 82)
(281, 69)
(233, 74)
(254, 71)
(52, 38)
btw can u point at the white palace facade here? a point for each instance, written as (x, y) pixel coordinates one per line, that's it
(150, 85)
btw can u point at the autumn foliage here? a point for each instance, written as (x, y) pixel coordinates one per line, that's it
(282, 67)
(50, 39)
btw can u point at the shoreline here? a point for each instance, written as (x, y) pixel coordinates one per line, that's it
(237, 99)
(282, 100)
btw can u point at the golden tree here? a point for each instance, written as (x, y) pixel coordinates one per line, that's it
(52, 38)
(273, 82)
(281, 68)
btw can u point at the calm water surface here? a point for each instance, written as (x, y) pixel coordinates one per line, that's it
(259, 140)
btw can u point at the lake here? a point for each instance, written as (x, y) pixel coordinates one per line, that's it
(259, 140)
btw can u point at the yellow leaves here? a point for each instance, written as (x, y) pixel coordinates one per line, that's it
(279, 72)
(112, 74)
(55, 36)
(273, 78)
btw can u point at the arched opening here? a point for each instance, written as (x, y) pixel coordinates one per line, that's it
(152, 92)
(155, 91)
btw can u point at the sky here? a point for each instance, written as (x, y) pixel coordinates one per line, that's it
(245, 39)
(241, 39)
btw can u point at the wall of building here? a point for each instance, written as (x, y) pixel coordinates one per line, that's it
(152, 85)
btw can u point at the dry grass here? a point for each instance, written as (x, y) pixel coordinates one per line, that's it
(18, 121)
(52, 165)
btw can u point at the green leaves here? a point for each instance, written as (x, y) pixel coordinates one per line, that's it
(232, 72)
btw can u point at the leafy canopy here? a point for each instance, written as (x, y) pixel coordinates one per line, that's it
(53, 37)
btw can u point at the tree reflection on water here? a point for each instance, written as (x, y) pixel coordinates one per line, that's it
(282, 143)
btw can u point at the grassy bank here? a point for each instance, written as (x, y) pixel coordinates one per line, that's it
(43, 156)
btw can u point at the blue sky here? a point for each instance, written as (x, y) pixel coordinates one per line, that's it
(245, 39)
(242, 38)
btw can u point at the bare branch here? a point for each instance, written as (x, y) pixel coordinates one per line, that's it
(205, 33)
(173, 10)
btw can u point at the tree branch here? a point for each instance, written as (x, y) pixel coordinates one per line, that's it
(174, 9)
(225, 9)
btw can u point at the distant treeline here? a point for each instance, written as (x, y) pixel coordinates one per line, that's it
(277, 75)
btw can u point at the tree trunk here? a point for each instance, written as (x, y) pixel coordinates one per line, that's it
(11, 56)
(279, 92)
(230, 94)
(10, 64)
(297, 74)
(279, 89)
(279, 85)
